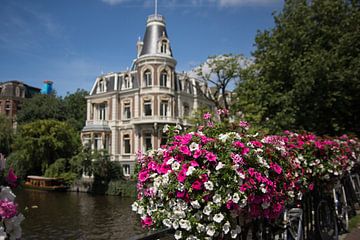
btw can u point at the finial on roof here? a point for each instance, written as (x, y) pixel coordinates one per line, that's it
(155, 7)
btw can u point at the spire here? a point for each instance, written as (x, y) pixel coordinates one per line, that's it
(155, 7)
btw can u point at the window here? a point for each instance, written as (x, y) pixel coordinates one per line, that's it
(126, 143)
(163, 46)
(147, 141)
(147, 78)
(102, 111)
(17, 91)
(186, 110)
(147, 108)
(127, 111)
(163, 78)
(127, 82)
(101, 86)
(163, 108)
(126, 169)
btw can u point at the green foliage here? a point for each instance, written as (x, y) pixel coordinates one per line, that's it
(75, 108)
(40, 107)
(6, 135)
(306, 70)
(71, 109)
(39, 144)
(104, 169)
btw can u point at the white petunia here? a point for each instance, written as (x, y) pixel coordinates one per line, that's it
(185, 224)
(210, 230)
(175, 166)
(166, 128)
(178, 235)
(209, 185)
(190, 171)
(218, 217)
(200, 228)
(236, 198)
(217, 198)
(140, 210)
(226, 227)
(219, 166)
(223, 137)
(207, 210)
(175, 224)
(170, 161)
(167, 222)
(195, 204)
(134, 206)
(193, 146)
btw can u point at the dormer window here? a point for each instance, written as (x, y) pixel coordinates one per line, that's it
(163, 79)
(127, 82)
(163, 47)
(147, 78)
(101, 86)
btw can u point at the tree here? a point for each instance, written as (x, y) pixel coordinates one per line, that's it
(75, 108)
(6, 135)
(39, 144)
(306, 70)
(218, 72)
(40, 107)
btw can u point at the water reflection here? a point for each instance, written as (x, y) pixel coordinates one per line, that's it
(76, 216)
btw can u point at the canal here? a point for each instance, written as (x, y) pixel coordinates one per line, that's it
(70, 215)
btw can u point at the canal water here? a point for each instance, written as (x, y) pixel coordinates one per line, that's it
(70, 215)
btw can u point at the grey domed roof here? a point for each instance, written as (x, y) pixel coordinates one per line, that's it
(155, 30)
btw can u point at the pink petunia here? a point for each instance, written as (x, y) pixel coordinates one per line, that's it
(211, 157)
(147, 221)
(207, 116)
(143, 175)
(185, 150)
(276, 168)
(197, 185)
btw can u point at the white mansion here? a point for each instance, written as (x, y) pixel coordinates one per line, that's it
(126, 111)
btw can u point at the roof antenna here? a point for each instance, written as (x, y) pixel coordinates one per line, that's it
(155, 7)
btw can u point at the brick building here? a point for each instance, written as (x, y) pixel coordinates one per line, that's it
(12, 95)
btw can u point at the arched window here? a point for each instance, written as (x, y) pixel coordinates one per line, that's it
(163, 78)
(147, 78)
(163, 47)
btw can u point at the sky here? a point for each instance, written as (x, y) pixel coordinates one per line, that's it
(71, 42)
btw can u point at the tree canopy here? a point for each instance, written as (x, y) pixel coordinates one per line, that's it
(306, 70)
(39, 144)
(218, 72)
(72, 108)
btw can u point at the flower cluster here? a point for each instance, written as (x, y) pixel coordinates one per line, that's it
(202, 180)
(9, 216)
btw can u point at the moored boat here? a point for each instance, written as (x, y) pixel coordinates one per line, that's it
(45, 183)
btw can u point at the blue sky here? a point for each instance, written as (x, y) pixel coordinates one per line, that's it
(72, 41)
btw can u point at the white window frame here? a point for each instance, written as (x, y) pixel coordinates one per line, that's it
(147, 136)
(147, 78)
(127, 105)
(164, 108)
